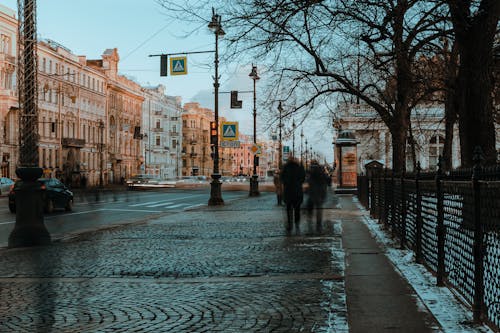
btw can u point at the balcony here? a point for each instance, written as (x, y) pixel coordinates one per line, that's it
(73, 142)
(8, 59)
(193, 142)
(157, 129)
(157, 113)
(174, 133)
(193, 155)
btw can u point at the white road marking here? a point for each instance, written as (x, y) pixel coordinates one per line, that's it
(164, 203)
(133, 210)
(146, 203)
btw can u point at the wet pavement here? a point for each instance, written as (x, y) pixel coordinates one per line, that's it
(215, 269)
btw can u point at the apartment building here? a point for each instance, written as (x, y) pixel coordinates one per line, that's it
(9, 137)
(161, 133)
(124, 100)
(196, 158)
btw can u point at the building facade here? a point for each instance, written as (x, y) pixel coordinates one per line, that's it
(374, 138)
(161, 133)
(196, 152)
(71, 115)
(124, 100)
(9, 138)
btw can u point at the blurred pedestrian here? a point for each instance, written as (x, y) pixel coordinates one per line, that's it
(278, 187)
(317, 180)
(292, 178)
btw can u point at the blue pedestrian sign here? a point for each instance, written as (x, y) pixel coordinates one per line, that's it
(229, 130)
(178, 65)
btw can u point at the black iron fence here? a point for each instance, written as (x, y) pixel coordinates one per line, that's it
(452, 223)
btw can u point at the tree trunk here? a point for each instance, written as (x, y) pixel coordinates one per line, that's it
(474, 87)
(474, 32)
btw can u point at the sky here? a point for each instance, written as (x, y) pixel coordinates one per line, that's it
(139, 28)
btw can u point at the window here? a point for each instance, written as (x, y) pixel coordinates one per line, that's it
(174, 128)
(158, 124)
(436, 145)
(158, 140)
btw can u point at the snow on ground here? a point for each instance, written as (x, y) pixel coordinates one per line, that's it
(452, 315)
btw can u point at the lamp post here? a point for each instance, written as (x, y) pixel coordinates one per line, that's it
(215, 186)
(306, 154)
(301, 139)
(293, 137)
(254, 182)
(29, 229)
(101, 151)
(280, 156)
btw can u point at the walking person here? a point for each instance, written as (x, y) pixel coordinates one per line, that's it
(317, 180)
(278, 187)
(292, 178)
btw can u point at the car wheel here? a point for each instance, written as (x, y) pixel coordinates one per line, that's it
(49, 207)
(69, 205)
(12, 208)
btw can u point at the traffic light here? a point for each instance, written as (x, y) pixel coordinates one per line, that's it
(163, 65)
(213, 133)
(235, 104)
(212, 151)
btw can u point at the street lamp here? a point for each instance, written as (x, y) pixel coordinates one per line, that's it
(254, 182)
(301, 139)
(306, 154)
(101, 150)
(29, 229)
(293, 137)
(280, 162)
(215, 186)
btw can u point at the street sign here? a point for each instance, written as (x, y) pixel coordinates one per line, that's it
(229, 130)
(256, 149)
(178, 65)
(286, 152)
(230, 144)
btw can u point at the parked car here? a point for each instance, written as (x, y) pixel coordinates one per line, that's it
(5, 184)
(55, 195)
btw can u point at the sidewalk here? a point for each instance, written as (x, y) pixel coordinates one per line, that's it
(231, 268)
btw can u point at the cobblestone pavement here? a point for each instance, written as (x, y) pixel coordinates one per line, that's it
(220, 269)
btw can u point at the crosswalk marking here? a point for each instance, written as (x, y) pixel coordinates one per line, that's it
(165, 203)
(146, 203)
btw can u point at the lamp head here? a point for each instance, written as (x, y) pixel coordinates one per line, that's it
(253, 74)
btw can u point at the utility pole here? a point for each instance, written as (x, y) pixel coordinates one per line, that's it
(280, 153)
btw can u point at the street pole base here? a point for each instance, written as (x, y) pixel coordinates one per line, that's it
(215, 191)
(29, 235)
(254, 186)
(29, 229)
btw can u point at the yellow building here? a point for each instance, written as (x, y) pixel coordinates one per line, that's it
(124, 113)
(196, 158)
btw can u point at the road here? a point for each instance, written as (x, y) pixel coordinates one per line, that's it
(108, 208)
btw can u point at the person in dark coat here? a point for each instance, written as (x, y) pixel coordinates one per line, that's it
(317, 180)
(292, 178)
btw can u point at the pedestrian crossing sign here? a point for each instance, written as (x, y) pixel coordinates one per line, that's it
(229, 130)
(178, 65)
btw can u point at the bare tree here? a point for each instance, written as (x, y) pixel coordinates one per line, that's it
(367, 49)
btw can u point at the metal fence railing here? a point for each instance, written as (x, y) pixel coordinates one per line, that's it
(452, 223)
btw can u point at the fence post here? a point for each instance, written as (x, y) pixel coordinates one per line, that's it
(372, 189)
(393, 205)
(419, 222)
(386, 202)
(403, 211)
(440, 228)
(477, 307)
